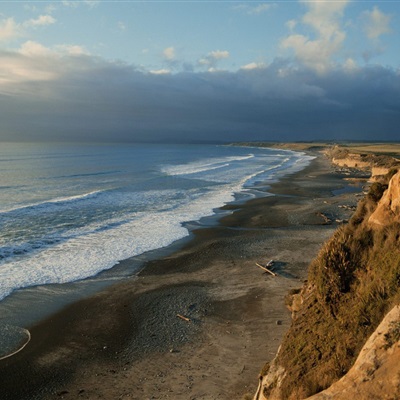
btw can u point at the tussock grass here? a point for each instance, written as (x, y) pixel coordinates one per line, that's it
(352, 283)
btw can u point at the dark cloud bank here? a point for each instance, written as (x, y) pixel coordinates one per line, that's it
(110, 102)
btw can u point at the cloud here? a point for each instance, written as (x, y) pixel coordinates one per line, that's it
(121, 26)
(253, 65)
(376, 23)
(49, 95)
(42, 20)
(70, 49)
(71, 4)
(211, 60)
(31, 48)
(255, 9)
(77, 3)
(169, 53)
(9, 29)
(50, 8)
(219, 55)
(367, 55)
(260, 8)
(291, 24)
(34, 62)
(162, 71)
(325, 19)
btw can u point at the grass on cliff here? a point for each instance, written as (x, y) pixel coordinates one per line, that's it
(352, 283)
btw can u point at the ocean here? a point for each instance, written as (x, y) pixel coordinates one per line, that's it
(69, 212)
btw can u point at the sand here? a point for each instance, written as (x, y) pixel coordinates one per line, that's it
(128, 342)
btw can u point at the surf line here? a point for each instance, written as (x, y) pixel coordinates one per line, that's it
(21, 348)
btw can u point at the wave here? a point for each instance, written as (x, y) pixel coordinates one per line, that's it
(52, 202)
(202, 166)
(83, 175)
(154, 221)
(19, 250)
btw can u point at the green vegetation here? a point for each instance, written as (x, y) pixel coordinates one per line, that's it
(352, 283)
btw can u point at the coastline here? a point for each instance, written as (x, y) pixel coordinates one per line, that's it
(127, 341)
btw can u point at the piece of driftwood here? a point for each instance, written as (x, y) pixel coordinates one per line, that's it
(325, 218)
(182, 317)
(266, 269)
(270, 263)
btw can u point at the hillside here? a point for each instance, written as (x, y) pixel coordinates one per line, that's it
(352, 284)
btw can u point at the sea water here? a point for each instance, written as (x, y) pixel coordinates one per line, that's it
(68, 212)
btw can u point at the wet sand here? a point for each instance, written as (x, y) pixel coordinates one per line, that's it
(128, 342)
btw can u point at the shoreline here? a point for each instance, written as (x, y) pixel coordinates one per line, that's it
(127, 341)
(50, 298)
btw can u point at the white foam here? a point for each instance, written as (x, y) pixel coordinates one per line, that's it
(87, 254)
(51, 202)
(88, 250)
(202, 166)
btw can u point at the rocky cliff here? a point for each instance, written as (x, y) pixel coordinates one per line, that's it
(388, 208)
(377, 165)
(338, 347)
(376, 372)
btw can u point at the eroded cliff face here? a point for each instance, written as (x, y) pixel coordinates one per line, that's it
(388, 209)
(376, 373)
(341, 345)
(377, 166)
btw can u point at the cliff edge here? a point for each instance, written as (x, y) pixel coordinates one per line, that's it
(376, 372)
(388, 208)
(340, 343)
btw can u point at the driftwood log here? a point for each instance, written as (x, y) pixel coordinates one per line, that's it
(182, 317)
(266, 269)
(326, 219)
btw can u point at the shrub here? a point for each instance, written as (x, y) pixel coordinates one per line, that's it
(352, 283)
(376, 191)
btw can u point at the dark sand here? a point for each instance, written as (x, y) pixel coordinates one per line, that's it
(127, 341)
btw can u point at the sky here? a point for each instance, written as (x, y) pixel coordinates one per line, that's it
(184, 71)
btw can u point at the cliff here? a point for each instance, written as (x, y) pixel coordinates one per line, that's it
(337, 345)
(388, 208)
(376, 372)
(378, 165)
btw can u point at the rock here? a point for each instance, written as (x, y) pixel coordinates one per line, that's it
(376, 371)
(388, 209)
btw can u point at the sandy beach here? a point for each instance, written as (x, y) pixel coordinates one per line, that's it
(128, 342)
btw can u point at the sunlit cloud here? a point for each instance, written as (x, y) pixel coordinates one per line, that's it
(253, 65)
(169, 53)
(210, 61)
(219, 55)
(9, 29)
(31, 48)
(116, 101)
(70, 49)
(42, 20)
(162, 71)
(254, 9)
(34, 62)
(325, 19)
(376, 23)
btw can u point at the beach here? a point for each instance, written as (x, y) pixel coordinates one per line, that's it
(127, 341)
